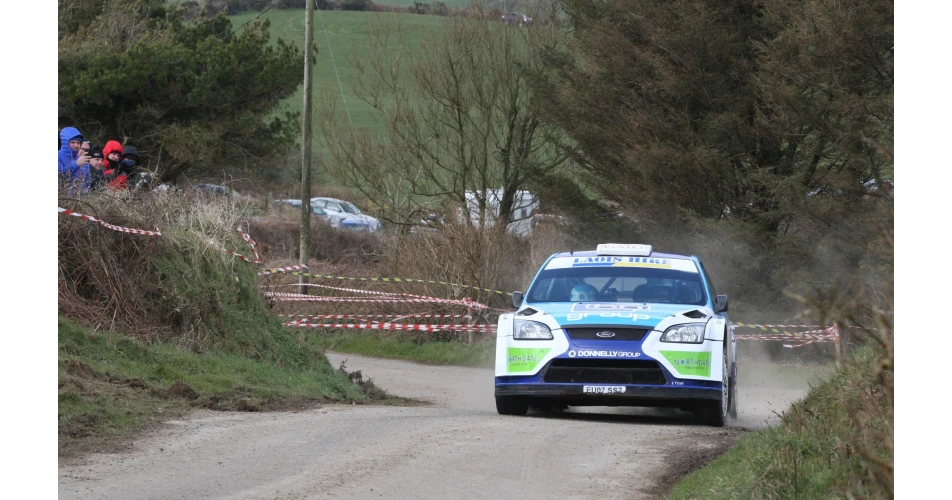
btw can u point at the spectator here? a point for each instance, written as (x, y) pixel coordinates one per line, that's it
(113, 153)
(132, 154)
(117, 170)
(93, 176)
(131, 165)
(70, 157)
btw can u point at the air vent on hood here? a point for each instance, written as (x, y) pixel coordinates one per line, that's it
(695, 314)
(527, 312)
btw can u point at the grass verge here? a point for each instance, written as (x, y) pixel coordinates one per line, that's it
(406, 347)
(113, 387)
(832, 444)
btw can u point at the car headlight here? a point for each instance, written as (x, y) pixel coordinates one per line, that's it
(530, 330)
(692, 334)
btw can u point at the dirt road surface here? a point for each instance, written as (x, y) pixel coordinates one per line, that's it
(455, 447)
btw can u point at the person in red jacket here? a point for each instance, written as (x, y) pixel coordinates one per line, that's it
(114, 169)
(113, 152)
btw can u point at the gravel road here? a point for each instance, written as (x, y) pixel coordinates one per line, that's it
(455, 447)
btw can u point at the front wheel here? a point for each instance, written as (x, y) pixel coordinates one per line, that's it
(512, 405)
(714, 413)
(733, 394)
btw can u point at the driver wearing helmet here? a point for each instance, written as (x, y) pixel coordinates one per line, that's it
(584, 293)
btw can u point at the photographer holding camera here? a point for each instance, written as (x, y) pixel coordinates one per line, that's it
(71, 154)
(125, 168)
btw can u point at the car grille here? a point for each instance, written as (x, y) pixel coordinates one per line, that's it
(604, 371)
(621, 333)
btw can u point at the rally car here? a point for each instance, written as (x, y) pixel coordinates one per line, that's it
(619, 326)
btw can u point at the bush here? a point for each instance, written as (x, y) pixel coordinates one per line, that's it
(180, 284)
(359, 5)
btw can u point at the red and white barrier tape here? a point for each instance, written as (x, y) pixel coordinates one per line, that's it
(830, 334)
(293, 297)
(481, 328)
(764, 327)
(372, 316)
(353, 290)
(107, 225)
(236, 254)
(391, 318)
(465, 301)
(254, 246)
(817, 338)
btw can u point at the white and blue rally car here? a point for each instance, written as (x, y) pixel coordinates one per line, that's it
(620, 326)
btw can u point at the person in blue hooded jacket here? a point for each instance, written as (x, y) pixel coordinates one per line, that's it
(70, 157)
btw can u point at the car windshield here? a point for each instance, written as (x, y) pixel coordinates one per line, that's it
(349, 208)
(627, 279)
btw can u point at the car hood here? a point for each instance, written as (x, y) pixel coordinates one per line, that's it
(616, 313)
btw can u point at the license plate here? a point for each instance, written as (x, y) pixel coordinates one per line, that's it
(603, 389)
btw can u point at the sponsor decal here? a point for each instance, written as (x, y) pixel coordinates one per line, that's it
(675, 382)
(601, 307)
(524, 359)
(621, 315)
(622, 262)
(587, 353)
(689, 363)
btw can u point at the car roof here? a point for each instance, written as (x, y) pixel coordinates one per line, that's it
(591, 253)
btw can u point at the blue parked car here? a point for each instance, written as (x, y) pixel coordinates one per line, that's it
(619, 326)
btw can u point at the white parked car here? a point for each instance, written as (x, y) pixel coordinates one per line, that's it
(516, 19)
(335, 220)
(354, 219)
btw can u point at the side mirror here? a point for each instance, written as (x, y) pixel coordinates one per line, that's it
(720, 304)
(516, 299)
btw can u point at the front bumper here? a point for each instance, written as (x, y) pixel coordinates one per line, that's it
(631, 392)
(646, 383)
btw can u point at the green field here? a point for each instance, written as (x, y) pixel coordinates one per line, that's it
(453, 4)
(343, 34)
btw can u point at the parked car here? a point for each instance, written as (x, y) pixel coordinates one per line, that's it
(516, 19)
(333, 219)
(619, 326)
(525, 204)
(215, 189)
(350, 211)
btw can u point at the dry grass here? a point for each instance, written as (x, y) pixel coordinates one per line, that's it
(863, 309)
(116, 281)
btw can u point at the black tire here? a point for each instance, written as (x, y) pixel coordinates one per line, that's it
(714, 413)
(733, 394)
(549, 407)
(512, 405)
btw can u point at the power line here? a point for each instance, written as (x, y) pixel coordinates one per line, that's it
(273, 3)
(334, 62)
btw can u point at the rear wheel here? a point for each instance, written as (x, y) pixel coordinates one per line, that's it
(512, 405)
(715, 412)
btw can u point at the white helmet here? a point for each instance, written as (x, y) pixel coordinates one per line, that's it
(584, 293)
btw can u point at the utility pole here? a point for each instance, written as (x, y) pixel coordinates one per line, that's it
(305, 249)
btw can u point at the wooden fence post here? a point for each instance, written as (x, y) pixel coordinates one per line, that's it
(469, 310)
(838, 345)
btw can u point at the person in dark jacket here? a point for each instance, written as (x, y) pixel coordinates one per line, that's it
(130, 167)
(132, 154)
(92, 176)
(70, 157)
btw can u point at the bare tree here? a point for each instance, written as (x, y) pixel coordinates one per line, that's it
(458, 119)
